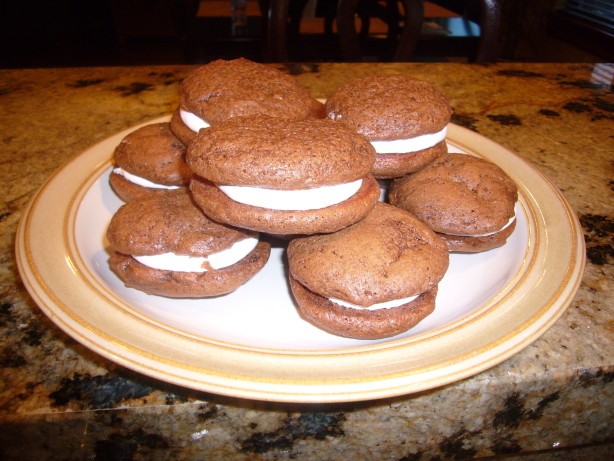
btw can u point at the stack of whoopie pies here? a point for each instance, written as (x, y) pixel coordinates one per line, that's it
(250, 156)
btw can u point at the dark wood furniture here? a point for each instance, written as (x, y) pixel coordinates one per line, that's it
(283, 18)
(487, 14)
(403, 17)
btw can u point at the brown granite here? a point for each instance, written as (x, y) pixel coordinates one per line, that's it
(58, 400)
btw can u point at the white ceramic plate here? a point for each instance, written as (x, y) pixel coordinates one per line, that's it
(252, 343)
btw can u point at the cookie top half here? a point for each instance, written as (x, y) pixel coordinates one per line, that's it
(387, 255)
(224, 89)
(280, 154)
(169, 222)
(389, 106)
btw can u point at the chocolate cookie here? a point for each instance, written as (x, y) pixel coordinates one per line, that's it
(469, 201)
(147, 161)
(374, 279)
(283, 177)
(404, 118)
(164, 245)
(221, 90)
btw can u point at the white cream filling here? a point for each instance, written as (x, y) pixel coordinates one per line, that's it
(186, 263)
(296, 200)
(193, 121)
(141, 181)
(509, 223)
(415, 144)
(383, 305)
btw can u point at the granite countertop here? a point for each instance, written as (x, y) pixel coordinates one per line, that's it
(59, 400)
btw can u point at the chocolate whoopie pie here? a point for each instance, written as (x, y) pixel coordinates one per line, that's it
(374, 279)
(468, 200)
(283, 177)
(222, 89)
(404, 118)
(147, 161)
(164, 245)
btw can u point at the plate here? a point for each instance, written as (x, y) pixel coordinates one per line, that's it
(252, 343)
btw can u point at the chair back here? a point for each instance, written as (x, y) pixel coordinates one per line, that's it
(402, 17)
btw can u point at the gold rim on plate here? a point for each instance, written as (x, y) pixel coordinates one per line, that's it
(68, 291)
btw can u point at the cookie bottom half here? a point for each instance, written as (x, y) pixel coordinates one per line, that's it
(468, 244)
(389, 166)
(360, 323)
(174, 284)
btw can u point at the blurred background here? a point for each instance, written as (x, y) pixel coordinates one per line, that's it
(58, 33)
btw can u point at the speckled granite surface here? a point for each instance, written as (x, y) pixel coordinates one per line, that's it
(553, 400)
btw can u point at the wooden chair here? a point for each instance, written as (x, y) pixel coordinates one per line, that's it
(283, 19)
(487, 14)
(403, 17)
(276, 34)
(490, 24)
(403, 27)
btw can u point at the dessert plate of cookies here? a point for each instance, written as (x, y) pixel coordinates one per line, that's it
(253, 342)
(262, 244)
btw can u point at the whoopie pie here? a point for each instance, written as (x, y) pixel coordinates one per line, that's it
(469, 201)
(405, 119)
(147, 161)
(374, 279)
(224, 89)
(281, 176)
(165, 245)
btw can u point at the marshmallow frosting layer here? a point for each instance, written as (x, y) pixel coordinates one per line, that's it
(383, 305)
(140, 180)
(403, 146)
(193, 121)
(297, 200)
(185, 263)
